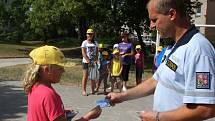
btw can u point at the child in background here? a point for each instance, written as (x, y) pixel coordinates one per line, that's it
(116, 69)
(115, 46)
(139, 64)
(158, 58)
(103, 71)
(100, 57)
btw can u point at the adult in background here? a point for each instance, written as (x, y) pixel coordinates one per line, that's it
(183, 85)
(126, 51)
(89, 49)
(44, 103)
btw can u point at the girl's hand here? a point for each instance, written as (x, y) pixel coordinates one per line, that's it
(88, 60)
(94, 113)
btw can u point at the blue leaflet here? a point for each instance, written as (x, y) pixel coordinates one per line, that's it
(103, 103)
(70, 114)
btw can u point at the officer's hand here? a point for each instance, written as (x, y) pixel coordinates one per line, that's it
(147, 116)
(114, 98)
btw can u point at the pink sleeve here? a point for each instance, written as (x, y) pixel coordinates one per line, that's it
(53, 106)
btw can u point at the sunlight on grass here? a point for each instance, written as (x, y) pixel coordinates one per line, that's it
(12, 72)
(8, 50)
(72, 76)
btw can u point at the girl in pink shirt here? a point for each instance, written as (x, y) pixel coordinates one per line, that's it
(44, 104)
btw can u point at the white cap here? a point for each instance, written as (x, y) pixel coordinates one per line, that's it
(116, 46)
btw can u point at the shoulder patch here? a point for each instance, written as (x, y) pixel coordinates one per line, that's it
(171, 65)
(203, 80)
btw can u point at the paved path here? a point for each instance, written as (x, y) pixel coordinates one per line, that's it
(14, 61)
(13, 101)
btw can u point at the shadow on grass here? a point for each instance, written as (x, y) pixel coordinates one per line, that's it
(13, 102)
(73, 53)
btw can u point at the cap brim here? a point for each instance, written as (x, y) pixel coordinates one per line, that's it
(116, 53)
(67, 64)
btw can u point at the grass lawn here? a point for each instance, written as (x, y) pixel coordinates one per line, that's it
(70, 47)
(72, 76)
(14, 50)
(8, 50)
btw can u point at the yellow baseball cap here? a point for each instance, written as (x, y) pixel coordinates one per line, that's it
(90, 31)
(138, 47)
(49, 55)
(104, 53)
(159, 48)
(115, 51)
(101, 45)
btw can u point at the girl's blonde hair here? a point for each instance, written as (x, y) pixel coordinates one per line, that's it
(30, 77)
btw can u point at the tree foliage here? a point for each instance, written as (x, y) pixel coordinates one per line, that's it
(48, 19)
(3, 16)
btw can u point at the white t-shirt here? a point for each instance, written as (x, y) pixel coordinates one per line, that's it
(91, 49)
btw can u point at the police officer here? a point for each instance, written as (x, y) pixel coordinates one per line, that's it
(183, 85)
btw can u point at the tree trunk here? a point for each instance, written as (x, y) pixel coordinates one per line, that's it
(45, 42)
(82, 28)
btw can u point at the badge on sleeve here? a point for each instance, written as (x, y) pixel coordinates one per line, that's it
(171, 65)
(203, 80)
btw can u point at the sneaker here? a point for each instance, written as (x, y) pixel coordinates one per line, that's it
(124, 88)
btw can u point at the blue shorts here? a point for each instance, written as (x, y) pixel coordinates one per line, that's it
(85, 66)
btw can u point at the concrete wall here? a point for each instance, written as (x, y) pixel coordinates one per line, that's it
(210, 32)
(200, 18)
(207, 16)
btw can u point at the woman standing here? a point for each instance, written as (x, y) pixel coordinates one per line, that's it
(89, 49)
(126, 52)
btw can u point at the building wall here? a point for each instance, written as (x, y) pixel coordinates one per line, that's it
(210, 32)
(206, 16)
(200, 18)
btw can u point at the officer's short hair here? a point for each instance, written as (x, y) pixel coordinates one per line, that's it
(163, 6)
